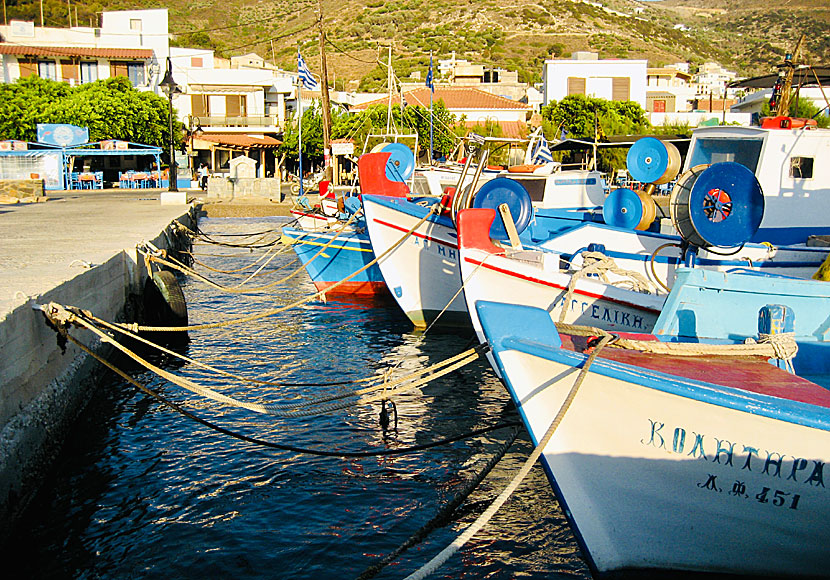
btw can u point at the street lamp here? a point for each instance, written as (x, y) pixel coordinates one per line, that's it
(169, 86)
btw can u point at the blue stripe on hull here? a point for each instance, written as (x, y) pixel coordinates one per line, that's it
(346, 255)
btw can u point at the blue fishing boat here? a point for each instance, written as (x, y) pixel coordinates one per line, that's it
(684, 450)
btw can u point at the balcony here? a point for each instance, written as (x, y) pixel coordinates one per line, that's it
(252, 121)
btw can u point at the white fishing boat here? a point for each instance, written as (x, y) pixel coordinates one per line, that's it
(706, 463)
(422, 271)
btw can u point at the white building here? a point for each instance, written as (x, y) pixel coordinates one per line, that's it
(712, 79)
(586, 74)
(130, 43)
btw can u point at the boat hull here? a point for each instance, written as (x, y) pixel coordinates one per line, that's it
(422, 272)
(346, 253)
(658, 472)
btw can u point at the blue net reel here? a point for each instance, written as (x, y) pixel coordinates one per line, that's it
(717, 205)
(505, 190)
(401, 162)
(628, 209)
(650, 160)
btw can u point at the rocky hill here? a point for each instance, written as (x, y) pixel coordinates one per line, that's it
(743, 35)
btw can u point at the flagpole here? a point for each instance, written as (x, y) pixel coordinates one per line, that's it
(300, 123)
(431, 93)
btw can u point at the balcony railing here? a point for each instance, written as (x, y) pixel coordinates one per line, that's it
(252, 121)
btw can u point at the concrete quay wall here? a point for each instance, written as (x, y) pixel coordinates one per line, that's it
(42, 390)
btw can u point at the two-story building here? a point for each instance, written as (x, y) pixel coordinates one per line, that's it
(586, 74)
(130, 43)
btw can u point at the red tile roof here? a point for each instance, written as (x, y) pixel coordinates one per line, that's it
(22, 50)
(455, 98)
(240, 141)
(511, 129)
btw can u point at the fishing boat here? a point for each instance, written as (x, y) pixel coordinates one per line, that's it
(677, 452)
(422, 271)
(338, 257)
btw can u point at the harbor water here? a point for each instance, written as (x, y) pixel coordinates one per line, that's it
(141, 491)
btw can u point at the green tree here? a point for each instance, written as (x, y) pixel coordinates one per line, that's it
(110, 109)
(587, 118)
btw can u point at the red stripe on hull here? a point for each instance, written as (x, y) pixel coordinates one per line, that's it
(367, 289)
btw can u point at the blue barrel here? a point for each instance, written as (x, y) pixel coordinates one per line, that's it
(505, 190)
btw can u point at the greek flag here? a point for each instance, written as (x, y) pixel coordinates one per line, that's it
(305, 75)
(542, 153)
(430, 80)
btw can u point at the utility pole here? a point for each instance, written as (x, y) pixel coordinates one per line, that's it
(324, 85)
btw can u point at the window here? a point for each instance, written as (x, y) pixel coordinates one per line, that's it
(200, 105)
(27, 67)
(89, 72)
(132, 70)
(712, 150)
(47, 69)
(196, 62)
(135, 24)
(576, 86)
(801, 167)
(620, 89)
(69, 72)
(235, 105)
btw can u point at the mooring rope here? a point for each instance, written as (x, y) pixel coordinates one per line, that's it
(485, 517)
(281, 446)
(63, 317)
(155, 255)
(445, 513)
(316, 296)
(598, 264)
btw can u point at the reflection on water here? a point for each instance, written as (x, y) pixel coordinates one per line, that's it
(140, 491)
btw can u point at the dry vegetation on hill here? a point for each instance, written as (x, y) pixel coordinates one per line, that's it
(740, 34)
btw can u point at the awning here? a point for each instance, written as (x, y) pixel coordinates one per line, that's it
(808, 76)
(240, 142)
(80, 51)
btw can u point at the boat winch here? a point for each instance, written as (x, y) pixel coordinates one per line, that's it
(650, 161)
(503, 190)
(717, 205)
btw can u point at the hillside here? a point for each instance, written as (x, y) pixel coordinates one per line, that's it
(515, 35)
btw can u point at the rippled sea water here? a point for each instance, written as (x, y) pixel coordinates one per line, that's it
(140, 491)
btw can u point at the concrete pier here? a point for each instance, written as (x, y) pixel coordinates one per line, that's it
(79, 249)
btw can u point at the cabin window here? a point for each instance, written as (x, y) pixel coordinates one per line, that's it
(535, 188)
(801, 167)
(576, 86)
(706, 151)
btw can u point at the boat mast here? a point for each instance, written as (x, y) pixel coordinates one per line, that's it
(324, 82)
(784, 99)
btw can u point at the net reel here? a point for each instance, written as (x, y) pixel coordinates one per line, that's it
(718, 205)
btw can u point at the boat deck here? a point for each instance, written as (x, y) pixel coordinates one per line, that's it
(753, 374)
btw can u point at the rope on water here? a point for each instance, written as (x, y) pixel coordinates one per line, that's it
(63, 317)
(485, 517)
(295, 304)
(598, 264)
(281, 446)
(445, 513)
(155, 255)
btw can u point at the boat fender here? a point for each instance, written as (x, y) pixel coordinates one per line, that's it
(446, 200)
(164, 301)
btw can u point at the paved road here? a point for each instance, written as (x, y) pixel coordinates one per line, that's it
(45, 244)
